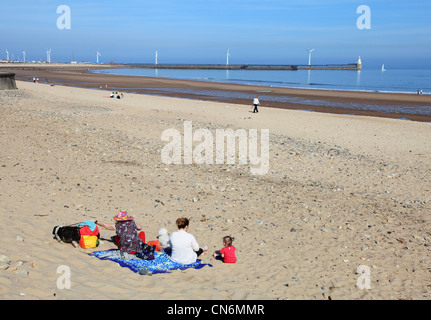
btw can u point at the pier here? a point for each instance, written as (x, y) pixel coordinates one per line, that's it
(291, 67)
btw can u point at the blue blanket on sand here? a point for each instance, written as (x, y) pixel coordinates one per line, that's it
(160, 264)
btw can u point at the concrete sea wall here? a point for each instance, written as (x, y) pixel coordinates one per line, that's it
(7, 81)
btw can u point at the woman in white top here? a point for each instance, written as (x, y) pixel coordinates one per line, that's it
(185, 248)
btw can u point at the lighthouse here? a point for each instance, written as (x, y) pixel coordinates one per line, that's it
(359, 64)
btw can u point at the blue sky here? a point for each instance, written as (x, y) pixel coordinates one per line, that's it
(201, 31)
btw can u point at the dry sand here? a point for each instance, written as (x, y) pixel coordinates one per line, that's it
(342, 191)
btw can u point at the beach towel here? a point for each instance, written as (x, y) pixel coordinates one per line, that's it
(160, 264)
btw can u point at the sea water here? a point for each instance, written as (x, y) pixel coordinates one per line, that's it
(397, 80)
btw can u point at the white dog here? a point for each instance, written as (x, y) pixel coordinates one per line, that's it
(164, 238)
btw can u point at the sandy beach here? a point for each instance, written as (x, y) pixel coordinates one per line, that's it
(341, 192)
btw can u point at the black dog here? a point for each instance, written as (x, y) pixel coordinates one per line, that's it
(67, 234)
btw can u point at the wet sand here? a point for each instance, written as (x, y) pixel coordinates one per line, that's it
(80, 76)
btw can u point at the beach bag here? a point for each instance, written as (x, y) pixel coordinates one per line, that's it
(146, 252)
(89, 238)
(156, 244)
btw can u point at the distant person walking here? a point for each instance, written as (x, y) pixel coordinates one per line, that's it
(255, 104)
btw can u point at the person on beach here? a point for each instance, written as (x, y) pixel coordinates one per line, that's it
(112, 95)
(185, 248)
(127, 239)
(227, 254)
(255, 104)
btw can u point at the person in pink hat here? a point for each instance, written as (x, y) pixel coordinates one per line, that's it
(127, 239)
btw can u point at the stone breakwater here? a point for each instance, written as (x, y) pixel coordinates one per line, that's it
(350, 66)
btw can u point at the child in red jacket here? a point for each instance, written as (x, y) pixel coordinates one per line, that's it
(227, 254)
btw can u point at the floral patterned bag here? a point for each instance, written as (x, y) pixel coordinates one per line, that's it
(146, 252)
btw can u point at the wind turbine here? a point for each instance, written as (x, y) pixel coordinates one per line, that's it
(97, 56)
(7, 55)
(23, 56)
(309, 55)
(157, 54)
(227, 57)
(48, 56)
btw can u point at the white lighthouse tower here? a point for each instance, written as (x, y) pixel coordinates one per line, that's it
(359, 64)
